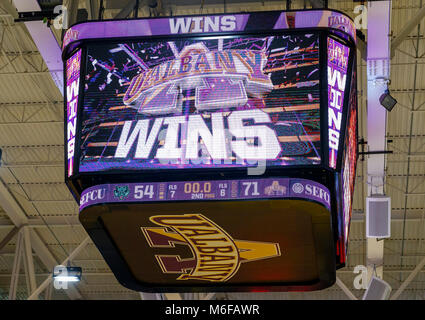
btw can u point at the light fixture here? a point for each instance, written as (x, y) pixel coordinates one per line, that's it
(387, 101)
(67, 274)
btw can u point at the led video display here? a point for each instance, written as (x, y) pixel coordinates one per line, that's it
(73, 65)
(350, 159)
(199, 103)
(338, 55)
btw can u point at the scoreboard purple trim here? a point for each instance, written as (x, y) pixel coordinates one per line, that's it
(246, 189)
(208, 24)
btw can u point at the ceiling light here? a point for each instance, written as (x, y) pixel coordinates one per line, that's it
(67, 274)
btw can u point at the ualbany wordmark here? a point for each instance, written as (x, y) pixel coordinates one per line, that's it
(216, 256)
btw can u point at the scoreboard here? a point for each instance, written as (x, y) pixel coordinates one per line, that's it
(214, 152)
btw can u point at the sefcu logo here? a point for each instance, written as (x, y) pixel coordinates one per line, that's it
(311, 191)
(216, 256)
(93, 195)
(297, 188)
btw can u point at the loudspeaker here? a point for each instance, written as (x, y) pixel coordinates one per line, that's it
(378, 217)
(378, 289)
(387, 101)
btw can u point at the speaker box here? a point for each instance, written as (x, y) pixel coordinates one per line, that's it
(378, 290)
(378, 217)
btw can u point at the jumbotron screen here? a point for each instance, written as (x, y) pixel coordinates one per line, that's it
(216, 102)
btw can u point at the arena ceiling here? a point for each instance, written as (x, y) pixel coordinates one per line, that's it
(36, 202)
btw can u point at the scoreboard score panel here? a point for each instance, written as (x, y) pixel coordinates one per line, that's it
(164, 121)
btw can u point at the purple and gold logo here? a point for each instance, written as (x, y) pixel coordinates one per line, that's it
(275, 189)
(215, 76)
(216, 256)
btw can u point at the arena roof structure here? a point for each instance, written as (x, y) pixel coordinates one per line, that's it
(39, 216)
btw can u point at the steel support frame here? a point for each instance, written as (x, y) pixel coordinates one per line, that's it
(409, 156)
(409, 279)
(19, 218)
(125, 12)
(9, 237)
(22, 252)
(28, 261)
(378, 74)
(49, 279)
(318, 4)
(45, 41)
(407, 29)
(72, 10)
(344, 288)
(92, 7)
(16, 267)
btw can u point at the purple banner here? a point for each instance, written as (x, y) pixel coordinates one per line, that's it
(210, 24)
(73, 65)
(337, 75)
(270, 188)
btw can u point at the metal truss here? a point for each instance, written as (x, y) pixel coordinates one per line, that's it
(27, 241)
(35, 155)
(23, 252)
(25, 112)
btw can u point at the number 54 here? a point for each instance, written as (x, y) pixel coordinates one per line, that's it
(140, 191)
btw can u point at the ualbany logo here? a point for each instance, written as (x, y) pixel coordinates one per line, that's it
(215, 75)
(216, 256)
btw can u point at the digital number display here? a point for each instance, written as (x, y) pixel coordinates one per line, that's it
(206, 190)
(215, 103)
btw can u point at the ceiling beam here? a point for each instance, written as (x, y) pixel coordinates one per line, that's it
(15, 212)
(362, 48)
(345, 289)
(126, 10)
(11, 206)
(10, 9)
(72, 220)
(110, 274)
(16, 267)
(45, 41)
(46, 282)
(173, 296)
(28, 261)
(407, 29)
(318, 4)
(409, 279)
(92, 7)
(9, 237)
